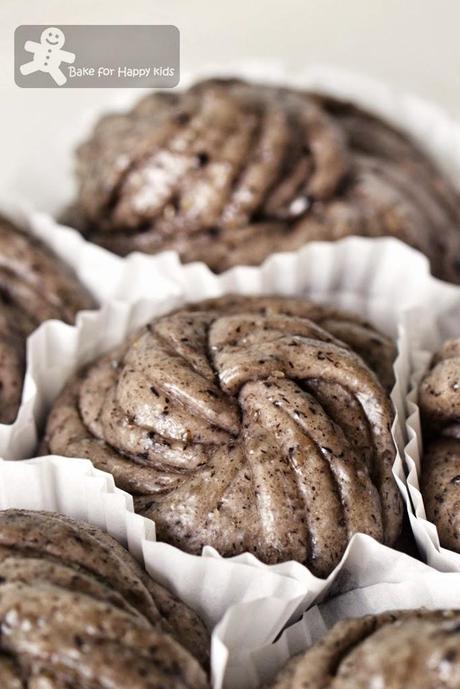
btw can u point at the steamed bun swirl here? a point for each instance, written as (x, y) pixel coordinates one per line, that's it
(228, 172)
(245, 423)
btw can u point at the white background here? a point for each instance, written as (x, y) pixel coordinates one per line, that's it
(412, 44)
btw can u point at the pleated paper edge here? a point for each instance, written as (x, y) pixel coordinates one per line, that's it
(353, 264)
(425, 532)
(425, 588)
(75, 488)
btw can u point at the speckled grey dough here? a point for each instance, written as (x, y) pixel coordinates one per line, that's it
(247, 424)
(395, 650)
(35, 285)
(229, 172)
(439, 399)
(77, 612)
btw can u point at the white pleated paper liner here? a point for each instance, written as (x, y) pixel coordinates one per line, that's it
(98, 270)
(442, 302)
(383, 270)
(411, 585)
(354, 273)
(75, 488)
(245, 603)
(20, 437)
(425, 532)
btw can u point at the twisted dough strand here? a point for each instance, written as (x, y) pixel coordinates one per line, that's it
(244, 424)
(34, 286)
(50, 549)
(408, 649)
(439, 399)
(54, 638)
(229, 172)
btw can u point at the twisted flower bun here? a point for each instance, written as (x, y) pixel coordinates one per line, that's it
(244, 423)
(408, 649)
(439, 400)
(229, 172)
(72, 600)
(34, 286)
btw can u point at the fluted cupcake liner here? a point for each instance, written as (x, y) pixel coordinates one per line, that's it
(98, 270)
(75, 488)
(409, 585)
(18, 438)
(446, 324)
(442, 303)
(356, 273)
(245, 604)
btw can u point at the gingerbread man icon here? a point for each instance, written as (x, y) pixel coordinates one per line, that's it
(48, 55)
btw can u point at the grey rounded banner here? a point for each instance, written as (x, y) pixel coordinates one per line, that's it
(96, 56)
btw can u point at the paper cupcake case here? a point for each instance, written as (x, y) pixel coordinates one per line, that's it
(210, 586)
(98, 269)
(414, 586)
(245, 603)
(355, 273)
(446, 325)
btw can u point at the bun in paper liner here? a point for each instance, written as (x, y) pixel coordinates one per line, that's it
(62, 575)
(78, 490)
(241, 422)
(429, 126)
(229, 171)
(406, 585)
(357, 274)
(401, 649)
(425, 532)
(37, 283)
(246, 603)
(97, 270)
(56, 351)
